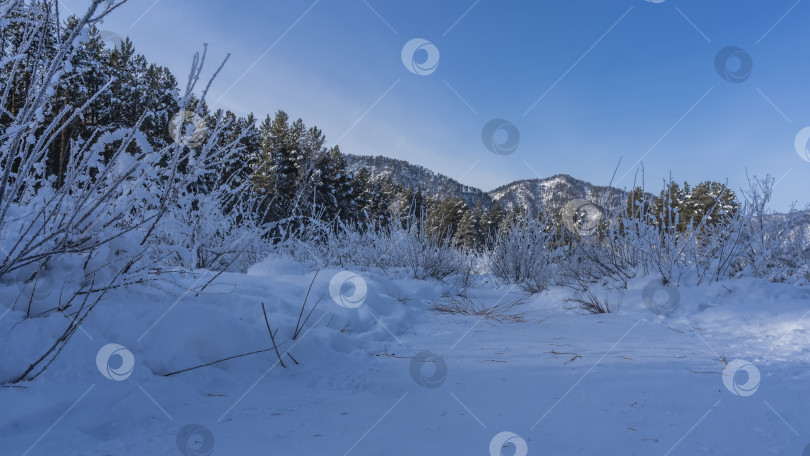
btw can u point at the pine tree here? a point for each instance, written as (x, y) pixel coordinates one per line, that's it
(444, 217)
(26, 57)
(638, 204)
(334, 188)
(666, 208)
(491, 223)
(84, 77)
(477, 228)
(465, 233)
(262, 160)
(159, 99)
(378, 197)
(347, 189)
(469, 233)
(712, 201)
(515, 216)
(405, 202)
(125, 93)
(282, 145)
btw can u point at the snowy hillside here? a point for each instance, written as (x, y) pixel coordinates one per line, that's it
(551, 194)
(401, 172)
(536, 194)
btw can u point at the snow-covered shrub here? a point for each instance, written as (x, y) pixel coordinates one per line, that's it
(748, 241)
(118, 210)
(312, 240)
(425, 254)
(502, 310)
(591, 303)
(213, 221)
(85, 221)
(522, 255)
(396, 245)
(774, 247)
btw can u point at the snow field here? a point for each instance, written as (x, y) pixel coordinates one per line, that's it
(391, 377)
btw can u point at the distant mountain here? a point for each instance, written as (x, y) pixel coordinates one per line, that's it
(403, 173)
(538, 195)
(552, 193)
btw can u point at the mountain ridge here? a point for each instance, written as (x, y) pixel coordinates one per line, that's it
(536, 195)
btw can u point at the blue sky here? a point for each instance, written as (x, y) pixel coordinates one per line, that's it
(618, 79)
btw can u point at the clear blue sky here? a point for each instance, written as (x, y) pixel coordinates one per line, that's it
(619, 77)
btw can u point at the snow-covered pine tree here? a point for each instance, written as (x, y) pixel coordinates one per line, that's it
(83, 77)
(282, 144)
(263, 167)
(491, 222)
(711, 203)
(445, 216)
(346, 189)
(638, 204)
(470, 233)
(667, 206)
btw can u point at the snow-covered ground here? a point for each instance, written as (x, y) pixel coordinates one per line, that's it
(384, 375)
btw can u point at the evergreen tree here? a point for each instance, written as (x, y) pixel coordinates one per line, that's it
(377, 198)
(515, 216)
(491, 223)
(335, 189)
(469, 233)
(159, 98)
(126, 94)
(666, 207)
(465, 233)
(445, 216)
(677, 209)
(638, 204)
(282, 144)
(85, 75)
(710, 202)
(477, 228)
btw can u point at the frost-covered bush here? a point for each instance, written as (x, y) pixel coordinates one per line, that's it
(750, 241)
(123, 207)
(212, 221)
(430, 255)
(774, 247)
(396, 245)
(522, 254)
